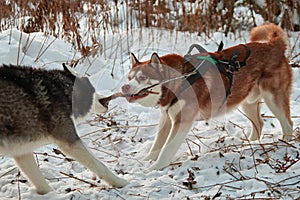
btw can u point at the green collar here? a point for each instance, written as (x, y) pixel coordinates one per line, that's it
(208, 58)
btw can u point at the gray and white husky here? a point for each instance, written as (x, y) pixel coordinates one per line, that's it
(36, 109)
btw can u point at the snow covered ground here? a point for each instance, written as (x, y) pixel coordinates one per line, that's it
(215, 161)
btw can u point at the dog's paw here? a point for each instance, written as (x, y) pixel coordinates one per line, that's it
(152, 156)
(149, 169)
(149, 157)
(152, 167)
(289, 137)
(156, 166)
(120, 183)
(44, 189)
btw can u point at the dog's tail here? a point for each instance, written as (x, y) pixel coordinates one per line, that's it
(270, 33)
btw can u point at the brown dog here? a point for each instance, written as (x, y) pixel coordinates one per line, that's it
(160, 81)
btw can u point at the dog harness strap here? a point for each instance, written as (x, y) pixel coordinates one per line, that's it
(188, 57)
(230, 80)
(229, 67)
(198, 47)
(233, 64)
(243, 63)
(224, 66)
(197, 72)
(207, 58)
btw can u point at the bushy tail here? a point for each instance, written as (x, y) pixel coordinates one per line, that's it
(270, 33)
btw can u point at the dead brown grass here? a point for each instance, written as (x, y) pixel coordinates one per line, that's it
(211, 15)
(62, 18)
(59, 18)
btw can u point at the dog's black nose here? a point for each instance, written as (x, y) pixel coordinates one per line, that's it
(125, 88)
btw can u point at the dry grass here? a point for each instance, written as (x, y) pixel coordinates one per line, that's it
(210, 15)
(83, 22)
(61, 19)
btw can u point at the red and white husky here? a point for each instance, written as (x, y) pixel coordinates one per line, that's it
(267, 75)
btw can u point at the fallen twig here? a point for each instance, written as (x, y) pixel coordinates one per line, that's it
(270, 116)
(113, 145)
(8, 172)
(97, 149)
(79, 179)
(285, 142)
(117, 127)
(53, 156)
(19, 190)
(295, 65)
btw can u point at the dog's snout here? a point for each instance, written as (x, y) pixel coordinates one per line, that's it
(126, 88)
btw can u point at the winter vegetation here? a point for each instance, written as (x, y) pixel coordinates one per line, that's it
(217, 161)
(87, 24)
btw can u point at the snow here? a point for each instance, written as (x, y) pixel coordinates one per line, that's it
(215, 160)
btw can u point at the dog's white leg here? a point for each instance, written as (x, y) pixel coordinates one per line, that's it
(252, 111)
(28, 166)
(80, 153)
(161, 136)
(181, 124)
(175, 139)
(281, 109)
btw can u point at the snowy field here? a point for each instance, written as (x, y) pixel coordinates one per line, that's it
(215, 161)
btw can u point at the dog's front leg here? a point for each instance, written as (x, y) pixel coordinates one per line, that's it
(164, 127)
(78, 151)
(182, 121)
(28, 166)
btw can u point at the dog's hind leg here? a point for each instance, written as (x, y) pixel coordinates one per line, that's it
(80, 153)
(280, 107)
(164, 128)
(252, 112)
(28, 166)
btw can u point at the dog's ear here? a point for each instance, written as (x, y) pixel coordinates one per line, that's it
(70, 70)
(155, 58)
(157, 62)
(133, 59)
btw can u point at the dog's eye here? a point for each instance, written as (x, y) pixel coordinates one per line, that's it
(142, 78)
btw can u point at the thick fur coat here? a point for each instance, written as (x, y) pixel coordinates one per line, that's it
(37, 107)
(266, 76)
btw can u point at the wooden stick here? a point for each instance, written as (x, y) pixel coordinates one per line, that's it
(151, 92)
(105, 101)
(79, 179)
